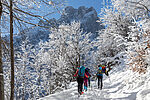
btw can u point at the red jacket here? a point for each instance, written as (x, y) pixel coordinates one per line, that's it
(76, 73)
(87, 75)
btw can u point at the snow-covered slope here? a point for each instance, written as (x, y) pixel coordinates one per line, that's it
(122, 85)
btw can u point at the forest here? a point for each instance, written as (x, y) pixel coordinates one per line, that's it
(39, 53)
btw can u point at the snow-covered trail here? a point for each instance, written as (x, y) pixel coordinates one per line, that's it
(119, 86)
(71, 94)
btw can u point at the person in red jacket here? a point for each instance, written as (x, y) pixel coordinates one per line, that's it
(80, 73)
(87, 75)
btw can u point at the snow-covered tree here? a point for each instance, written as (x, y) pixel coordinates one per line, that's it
(19, 13)
(138, 48)
(31, 74)
(111, 39)
(21, 74)
(68, 47)
(120, 17)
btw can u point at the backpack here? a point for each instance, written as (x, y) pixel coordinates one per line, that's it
(81, 71)
(100, 71)
(104, 70)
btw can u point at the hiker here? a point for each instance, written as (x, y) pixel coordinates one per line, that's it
(80, 78)
(100, 72)
(87, 75)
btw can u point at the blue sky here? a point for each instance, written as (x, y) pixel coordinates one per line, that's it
(97, 4)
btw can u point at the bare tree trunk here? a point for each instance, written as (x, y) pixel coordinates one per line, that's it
(1, 66)
(12, 51)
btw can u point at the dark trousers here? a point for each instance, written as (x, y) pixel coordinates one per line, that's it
(80, 84)
(100, 78)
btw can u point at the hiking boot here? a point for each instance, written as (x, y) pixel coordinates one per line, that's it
(81, 93)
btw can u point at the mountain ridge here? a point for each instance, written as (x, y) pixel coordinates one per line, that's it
(86, 16)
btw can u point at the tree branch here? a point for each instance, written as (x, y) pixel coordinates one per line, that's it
(37, 16)
(26, 21)
(140, 4)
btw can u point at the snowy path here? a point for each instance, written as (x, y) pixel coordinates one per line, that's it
(120, 86)
(71, 94)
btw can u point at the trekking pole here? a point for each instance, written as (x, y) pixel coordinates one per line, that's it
(95, 81)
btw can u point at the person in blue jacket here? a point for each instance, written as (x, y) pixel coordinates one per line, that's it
(100, 72)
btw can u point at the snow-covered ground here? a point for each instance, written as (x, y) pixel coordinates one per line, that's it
(122, 85)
